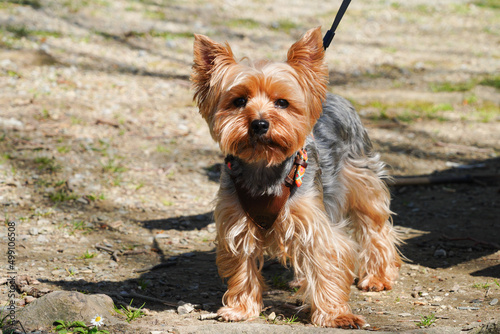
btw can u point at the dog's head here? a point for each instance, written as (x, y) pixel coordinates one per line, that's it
(261, 111)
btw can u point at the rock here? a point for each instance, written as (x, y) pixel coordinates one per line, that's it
(29, 299)
(66, 306)
(271, 317)
(439, 253)
(494, 302)
(11, 123)
(184, 308)
(405, 314)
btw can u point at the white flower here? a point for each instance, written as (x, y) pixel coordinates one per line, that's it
(97, 321)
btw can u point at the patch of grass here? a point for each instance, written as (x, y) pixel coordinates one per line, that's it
(32, 3)
(61, 195)
(170, 35)
(87, 255)
(129, 312)
(4, 158)
(291, 320)
(94, 198)
(284, 25)
(63, 149)
(142, 284)
(242, 23)
(46, 163)
(494, 4)
(407, 111)
(162, 149)
(78, 226)
(447, 86)
(426, 321)
(425, 9)
(481, 285)
(22, 31)
(155, 15)
(113, 166)
(492, 81)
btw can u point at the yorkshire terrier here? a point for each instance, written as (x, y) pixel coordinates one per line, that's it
(301, 182)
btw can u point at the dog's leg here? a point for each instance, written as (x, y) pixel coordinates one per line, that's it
(243, 298)
(369, 199)
(240, 259)
(323, 259)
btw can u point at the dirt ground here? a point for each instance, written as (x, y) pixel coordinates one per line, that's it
(101, 145)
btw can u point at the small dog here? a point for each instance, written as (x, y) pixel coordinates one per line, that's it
(300, 172)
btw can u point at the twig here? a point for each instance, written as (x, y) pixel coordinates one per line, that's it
(151, 299)
(208, 316)
(114, 253)
(107, 122)
(135, 252)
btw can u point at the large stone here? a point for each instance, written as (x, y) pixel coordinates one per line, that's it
(67, 306)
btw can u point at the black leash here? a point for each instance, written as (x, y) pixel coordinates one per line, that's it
(330, 33)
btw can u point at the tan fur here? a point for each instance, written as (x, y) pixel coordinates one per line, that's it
(368, 199)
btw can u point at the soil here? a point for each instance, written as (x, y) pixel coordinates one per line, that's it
(101, 145)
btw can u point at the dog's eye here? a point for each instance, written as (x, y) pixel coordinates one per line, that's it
(281, 103)
(240, 102)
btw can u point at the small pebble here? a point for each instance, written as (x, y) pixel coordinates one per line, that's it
(439, 253)
(494, 302)
(184, 308)
(271, 317)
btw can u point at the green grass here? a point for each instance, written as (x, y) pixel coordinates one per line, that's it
(426, 321)
(407, 111)
(292, 320)
(492, 81)
(494, 4)
(284, 25)
(32, 3)
(447, 86)
(113, 166)
(61, 195)
(481, 285)
(87, 255)
(47, 164)
(243, 22)
(129, 313)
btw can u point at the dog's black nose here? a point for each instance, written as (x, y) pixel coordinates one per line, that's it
(259, 127)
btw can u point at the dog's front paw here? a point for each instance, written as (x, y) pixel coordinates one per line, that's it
(345, 320)
(235, 313)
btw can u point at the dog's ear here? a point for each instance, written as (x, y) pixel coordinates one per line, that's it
(306, 56)
(209, 58)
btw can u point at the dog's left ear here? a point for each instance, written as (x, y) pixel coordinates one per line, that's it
(306, 56)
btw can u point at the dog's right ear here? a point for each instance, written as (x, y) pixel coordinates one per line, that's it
(210, 58)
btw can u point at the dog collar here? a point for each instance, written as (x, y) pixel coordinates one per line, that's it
(263, 210)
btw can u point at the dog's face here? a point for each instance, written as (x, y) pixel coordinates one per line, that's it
(263, 111)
